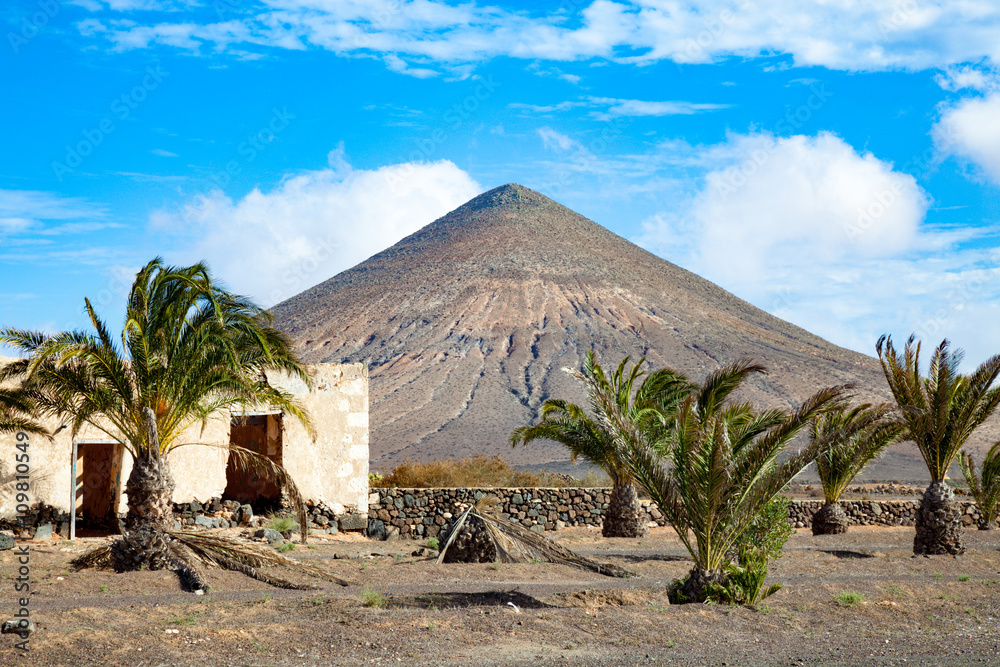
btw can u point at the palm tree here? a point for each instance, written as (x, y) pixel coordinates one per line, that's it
(16, 414)
(715, 467)
(188, 350)
(848, 454)
(941, 411)
(587, 438)
(985, 488)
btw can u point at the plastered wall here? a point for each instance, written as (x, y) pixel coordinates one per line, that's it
(331, 468)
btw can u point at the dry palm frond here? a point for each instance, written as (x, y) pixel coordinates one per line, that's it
(97, 558)
(246, 557)
(516, 544)
(184, 552)
(247, 460)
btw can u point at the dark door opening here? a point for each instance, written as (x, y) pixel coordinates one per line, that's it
(98, 485)
(260, 434)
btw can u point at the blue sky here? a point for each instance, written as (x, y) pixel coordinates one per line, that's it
(835, 163)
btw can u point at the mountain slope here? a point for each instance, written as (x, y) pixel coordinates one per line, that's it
(467, 324)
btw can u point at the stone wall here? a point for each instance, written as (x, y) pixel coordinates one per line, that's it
(421, 513)
(43, 521)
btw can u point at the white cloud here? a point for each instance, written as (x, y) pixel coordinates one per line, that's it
(881, 35)
(553, 139)
(802, 199)
(630, 108)
(28, 211)
(163, 153)
(971, 130)
(400, 66)
(968, 76)
(834, 240)
(274, 245)
(606, 108)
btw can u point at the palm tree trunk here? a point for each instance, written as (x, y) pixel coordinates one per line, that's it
(938, 521)
(829, 520)
(150, 489)
(695, 589)
(624, 517)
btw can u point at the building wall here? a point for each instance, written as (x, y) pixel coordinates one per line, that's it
(333, 469)
(330, 469)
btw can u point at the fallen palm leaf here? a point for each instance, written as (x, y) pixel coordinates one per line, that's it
(185, 552)
(516, 544)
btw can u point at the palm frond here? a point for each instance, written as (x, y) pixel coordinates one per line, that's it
(516, 544)
(247, 460)
(943, 409)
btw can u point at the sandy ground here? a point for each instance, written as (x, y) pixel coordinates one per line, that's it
(404, 609)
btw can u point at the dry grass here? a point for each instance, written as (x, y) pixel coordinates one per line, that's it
(474, 471)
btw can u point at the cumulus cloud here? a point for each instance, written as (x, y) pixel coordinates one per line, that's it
(832, 239)
(889, 34)
(272, 245)
(799, 200)
(970, 130)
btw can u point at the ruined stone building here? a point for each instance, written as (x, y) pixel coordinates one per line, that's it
(89, 471)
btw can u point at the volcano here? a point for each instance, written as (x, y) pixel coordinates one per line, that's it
(467, 325)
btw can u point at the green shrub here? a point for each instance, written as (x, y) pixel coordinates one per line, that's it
(761, 543)
(432, 543)
(849, 598)
(372, 598)
(280, 523)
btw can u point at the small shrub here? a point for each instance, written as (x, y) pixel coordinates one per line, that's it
(896, 591)
(190, 619)
(964, 577)
(849, 598)
(286, 547)
(372, 598)
(761, 543)
(432, 543)
(280, 523)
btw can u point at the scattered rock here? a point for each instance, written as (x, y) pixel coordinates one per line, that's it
(353, 522)
(269, 534)
(16, 626)
(6, 542)
(43, 532)
(376, 529)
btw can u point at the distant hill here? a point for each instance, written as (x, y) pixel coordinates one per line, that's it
(467, 324)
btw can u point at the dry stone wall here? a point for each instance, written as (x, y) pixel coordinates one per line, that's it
(421, 513)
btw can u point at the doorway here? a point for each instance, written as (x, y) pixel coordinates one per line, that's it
(260, 433)
(98, 485)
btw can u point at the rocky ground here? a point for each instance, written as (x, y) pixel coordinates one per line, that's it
(402, 608)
